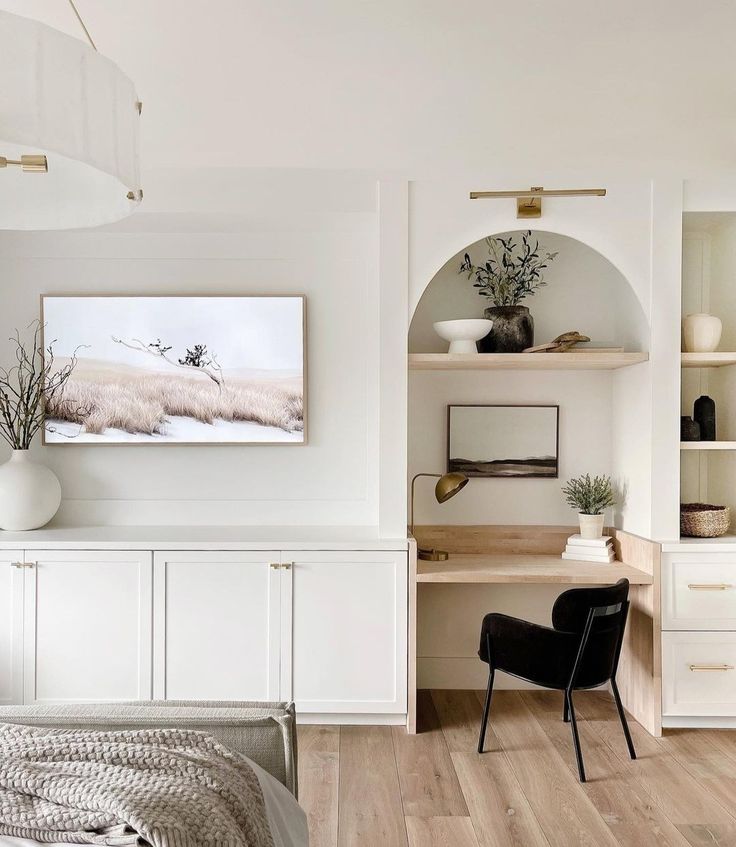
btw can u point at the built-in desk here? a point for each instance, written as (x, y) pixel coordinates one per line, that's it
(526, 568)
(529, 555)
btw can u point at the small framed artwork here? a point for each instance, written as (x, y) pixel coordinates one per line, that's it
(177, 370)
(503, 441)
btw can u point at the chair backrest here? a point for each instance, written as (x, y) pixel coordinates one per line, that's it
(571, 608)
(599, 615)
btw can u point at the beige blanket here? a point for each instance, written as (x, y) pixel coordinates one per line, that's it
(161, 787)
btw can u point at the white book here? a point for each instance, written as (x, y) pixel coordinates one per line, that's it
(590, 542)
(582, 557)
(598, 551)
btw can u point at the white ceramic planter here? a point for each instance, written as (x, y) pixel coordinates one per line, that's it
(701, 333)
(591, 526)
(463, 334)
(30, 494)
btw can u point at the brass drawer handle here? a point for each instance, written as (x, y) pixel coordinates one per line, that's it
(709, 586)
(22, 564)
(285, 566)
(711, 667)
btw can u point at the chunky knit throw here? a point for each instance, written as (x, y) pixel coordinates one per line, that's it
(159, 787)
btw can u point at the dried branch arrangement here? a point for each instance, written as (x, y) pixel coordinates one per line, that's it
(28, 386)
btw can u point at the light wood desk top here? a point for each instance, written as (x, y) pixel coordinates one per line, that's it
(526, 568)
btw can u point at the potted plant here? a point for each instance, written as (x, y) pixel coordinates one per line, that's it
(590, 498)
(30, 493)
(513, 271)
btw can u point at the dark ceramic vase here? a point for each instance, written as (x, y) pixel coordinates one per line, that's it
(689, 429)
(512, 331)
(705, 414)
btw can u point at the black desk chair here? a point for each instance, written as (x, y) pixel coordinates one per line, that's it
(580, 651)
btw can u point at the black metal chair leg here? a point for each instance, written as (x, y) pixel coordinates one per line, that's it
(565, 710)
(486, 710)
(622, 718)
(575, 736)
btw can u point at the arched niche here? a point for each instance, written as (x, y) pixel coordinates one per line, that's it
(584, 291)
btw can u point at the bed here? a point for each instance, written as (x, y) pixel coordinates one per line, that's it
(263, 732)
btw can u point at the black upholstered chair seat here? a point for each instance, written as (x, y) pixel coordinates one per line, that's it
(580, 650)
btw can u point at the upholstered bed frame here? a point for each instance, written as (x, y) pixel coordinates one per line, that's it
(265, 732)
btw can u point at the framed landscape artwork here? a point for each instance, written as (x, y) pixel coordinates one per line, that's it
(177, 370)
(503, 441)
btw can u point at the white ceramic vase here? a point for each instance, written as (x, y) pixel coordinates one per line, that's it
(30, 494)
(463, 334)
(591, 526)
(701, 333)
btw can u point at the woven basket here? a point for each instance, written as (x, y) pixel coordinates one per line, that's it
(702, 520)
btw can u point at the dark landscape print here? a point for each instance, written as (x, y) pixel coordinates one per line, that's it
(503, 441)
(544, 466)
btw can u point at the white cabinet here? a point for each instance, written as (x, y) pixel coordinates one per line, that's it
(348, 647)
(87, 626)
(217, 626)
(699, 673)
(699, 593)
(11, 630)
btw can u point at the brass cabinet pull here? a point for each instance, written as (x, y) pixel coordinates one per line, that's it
(287, 566)
(709, 586)
(23, 564)
(276, 566)
(711, 667)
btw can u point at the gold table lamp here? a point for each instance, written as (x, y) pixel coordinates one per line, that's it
(447, 486)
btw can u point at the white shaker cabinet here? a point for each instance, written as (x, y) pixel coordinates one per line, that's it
(11, 629)
(87, 626)
(217, 625)
(348, 645)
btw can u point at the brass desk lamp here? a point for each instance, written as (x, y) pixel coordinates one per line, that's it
(447, 486)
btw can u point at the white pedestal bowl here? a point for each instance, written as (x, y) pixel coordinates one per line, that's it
(463, 334)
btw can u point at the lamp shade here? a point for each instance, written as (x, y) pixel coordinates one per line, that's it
(449, 485)
(62, 99)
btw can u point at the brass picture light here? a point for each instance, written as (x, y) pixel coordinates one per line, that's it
(447, 486)
(29, 163)
(529, 202)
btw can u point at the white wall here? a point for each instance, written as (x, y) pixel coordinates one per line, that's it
(294, 233)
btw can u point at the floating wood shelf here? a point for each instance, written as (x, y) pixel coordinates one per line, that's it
(582, 360)
(708, 360)
(708, 445)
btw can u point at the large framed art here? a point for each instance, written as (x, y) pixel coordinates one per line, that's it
(503, 441)
(178, 370)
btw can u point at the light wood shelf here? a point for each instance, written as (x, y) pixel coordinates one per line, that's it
(526, 568)
(708, 360)
(583, 360)
(708, 445)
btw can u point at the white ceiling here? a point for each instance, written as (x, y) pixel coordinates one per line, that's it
(423, 86)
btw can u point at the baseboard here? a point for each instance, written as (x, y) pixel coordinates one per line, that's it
(351, 720)
(698, 722)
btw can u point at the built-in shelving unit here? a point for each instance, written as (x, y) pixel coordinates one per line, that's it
(585, 360)
(708, 360)
(708, 445)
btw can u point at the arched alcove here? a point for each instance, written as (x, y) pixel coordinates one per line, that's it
(584, 291)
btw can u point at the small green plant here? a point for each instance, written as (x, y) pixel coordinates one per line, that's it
(513, 270)
(589, 496)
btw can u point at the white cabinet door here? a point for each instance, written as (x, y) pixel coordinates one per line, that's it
(11, 629)
(217, 626)
(87, 626)
(699, 673)
(348, 651)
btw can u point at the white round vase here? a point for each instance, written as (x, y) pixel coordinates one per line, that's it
(30, 494)
(591, 526)
(701, 333)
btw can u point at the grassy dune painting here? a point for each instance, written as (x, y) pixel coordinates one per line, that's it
(177, 370)
(503, 441)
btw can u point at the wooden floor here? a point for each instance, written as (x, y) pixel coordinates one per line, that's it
(379, 787)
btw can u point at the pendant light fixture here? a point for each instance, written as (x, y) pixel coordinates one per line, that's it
(68, 130)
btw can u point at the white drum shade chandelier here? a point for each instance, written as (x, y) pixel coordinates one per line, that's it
(68, 131)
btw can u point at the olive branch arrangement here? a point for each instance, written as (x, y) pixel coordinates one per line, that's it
(513, 270)
(28, 386)
(589, 496)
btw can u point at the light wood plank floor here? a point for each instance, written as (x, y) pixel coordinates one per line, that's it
(379, 787)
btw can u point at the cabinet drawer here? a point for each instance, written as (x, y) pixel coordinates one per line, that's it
(697, 594)
(699, 673)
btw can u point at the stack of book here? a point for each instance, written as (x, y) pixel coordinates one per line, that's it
(590, 549)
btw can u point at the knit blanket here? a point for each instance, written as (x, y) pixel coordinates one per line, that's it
(158, 787)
